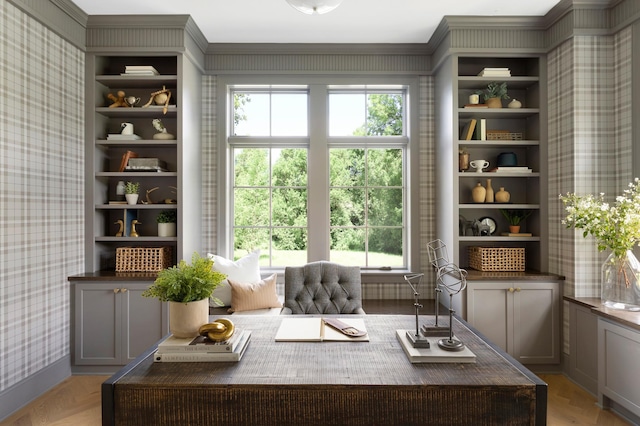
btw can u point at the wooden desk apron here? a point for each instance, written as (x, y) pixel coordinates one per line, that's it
(328, 383)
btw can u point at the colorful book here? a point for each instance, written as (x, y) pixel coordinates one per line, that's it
(125, 159)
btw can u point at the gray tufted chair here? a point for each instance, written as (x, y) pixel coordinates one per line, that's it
(322, 288)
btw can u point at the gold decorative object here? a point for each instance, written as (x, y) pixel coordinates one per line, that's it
(219, 330)
(134, 233)
(149, 191)
(120, 232)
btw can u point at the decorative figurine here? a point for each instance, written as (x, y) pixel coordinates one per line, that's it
(118, 101)
(120, 232)
(161, 97)
(134, 233)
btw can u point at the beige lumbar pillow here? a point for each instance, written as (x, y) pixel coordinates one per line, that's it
(252, 296)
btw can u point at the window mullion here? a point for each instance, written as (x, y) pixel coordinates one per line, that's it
(318, 175)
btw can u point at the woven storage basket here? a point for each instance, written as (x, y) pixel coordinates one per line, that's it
(496, 258)
(142, 259)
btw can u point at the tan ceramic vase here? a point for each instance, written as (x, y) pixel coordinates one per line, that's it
(494, 103)
(488, 198)
(502, 196)
(478, 193)
(186, 318)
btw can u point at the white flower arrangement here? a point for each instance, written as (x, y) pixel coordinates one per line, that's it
(157, 124)
(614, 227)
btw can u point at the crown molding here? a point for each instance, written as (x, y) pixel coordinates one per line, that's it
(315, 49)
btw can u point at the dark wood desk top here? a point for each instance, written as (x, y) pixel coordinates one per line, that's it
(381, 361)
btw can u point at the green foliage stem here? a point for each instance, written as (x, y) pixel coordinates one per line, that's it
(186, 283)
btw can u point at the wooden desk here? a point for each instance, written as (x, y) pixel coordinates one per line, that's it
(328, 383)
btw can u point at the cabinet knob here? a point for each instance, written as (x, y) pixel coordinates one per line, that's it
(124, 290)
(511, 289)
(116, 290)
(518, 289)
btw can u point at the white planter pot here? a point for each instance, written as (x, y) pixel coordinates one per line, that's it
(166, 230)
(131, 198)
(186, 318)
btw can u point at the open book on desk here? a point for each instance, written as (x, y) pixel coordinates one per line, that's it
(305, 329)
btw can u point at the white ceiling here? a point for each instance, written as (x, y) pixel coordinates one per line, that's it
(355, 21)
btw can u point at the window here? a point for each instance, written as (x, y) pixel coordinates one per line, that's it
(323, 183)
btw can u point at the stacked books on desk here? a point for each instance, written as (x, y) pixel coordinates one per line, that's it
(139, 70)
(495, 72)
(202, 349)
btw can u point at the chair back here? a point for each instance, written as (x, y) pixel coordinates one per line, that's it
(322, 288)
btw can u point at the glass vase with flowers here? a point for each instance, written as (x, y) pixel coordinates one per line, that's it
(616, 227)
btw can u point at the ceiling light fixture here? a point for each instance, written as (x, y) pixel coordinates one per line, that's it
(314, 7)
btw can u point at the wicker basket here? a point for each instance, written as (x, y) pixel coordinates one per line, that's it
(503, 135)
(496, 258)
(142, 259)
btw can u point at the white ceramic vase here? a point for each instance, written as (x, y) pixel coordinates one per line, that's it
(131, 198)
(186, 318)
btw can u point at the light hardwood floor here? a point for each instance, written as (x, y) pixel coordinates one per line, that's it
(76, 401)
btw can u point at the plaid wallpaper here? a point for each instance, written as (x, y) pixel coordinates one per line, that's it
(589, 146)
(41, 192)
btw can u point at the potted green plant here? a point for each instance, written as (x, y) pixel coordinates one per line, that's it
(167, 223)
(514, 217)
(131, 190)
(187, 288)
(494, 93)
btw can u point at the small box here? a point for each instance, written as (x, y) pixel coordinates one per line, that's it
(142, 259)
(504, 259)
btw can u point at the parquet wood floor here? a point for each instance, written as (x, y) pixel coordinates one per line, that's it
(76, 402)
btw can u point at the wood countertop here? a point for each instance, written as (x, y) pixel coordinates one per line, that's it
(627, 318)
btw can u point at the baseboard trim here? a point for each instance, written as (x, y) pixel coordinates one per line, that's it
(24, 392)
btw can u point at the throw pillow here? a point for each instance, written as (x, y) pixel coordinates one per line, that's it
(245, 269)
(251, 296)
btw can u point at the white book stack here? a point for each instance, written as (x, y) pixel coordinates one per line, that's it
(201, 349)
(121, 137)
(512, 169)
(140, 70)
(495, 72)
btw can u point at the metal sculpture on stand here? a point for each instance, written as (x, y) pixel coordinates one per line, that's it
(450, 278)
(416, 339)
(457, 282)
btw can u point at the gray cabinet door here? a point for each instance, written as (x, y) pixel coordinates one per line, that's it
(488, 310)
(144, 323)
(97, 325)
(536, 323)
(114, 323)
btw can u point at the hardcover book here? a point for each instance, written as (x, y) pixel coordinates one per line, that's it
(200, 344)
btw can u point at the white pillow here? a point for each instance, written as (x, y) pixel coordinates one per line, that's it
(245, 270)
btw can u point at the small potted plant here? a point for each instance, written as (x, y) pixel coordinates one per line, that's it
(167, 223)
(494, 93)
(187, 288)
(514, 217)
(131, 190)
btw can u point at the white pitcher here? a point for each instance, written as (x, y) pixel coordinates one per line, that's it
(127, 128)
